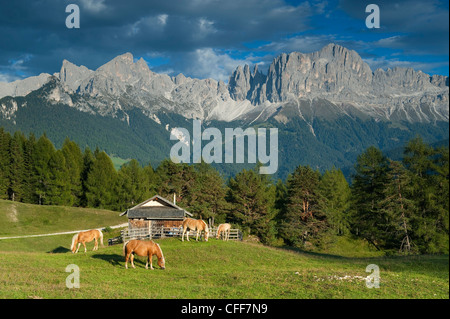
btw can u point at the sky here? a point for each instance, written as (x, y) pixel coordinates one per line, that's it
(210, 38)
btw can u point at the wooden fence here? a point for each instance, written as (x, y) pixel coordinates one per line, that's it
(162, 232)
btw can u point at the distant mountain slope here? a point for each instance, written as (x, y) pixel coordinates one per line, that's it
(328, 106)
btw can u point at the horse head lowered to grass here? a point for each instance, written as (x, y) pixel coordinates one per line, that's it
(143, 248)
(86, 237)
(223, 229)
(197, 225)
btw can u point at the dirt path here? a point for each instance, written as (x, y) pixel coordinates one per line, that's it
(62, 233)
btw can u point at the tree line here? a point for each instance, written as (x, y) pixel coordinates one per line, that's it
(397, 206)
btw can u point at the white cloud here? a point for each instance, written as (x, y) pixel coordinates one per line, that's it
(385, 63)
(93, 6)
(206, 63)
(6, 77)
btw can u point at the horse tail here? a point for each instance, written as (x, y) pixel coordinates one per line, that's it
(74, 242)
(101, 237)
(125, 248)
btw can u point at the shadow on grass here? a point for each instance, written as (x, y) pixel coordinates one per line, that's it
(119, 260)
(59, 250)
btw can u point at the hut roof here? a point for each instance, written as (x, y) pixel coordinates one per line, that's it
(156, 207)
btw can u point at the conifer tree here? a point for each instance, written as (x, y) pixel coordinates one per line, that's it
(58, 189)
(207, 196)
(88, 161)
(43, 151)
(176, 179)
(428, 170)
(5, 140)
(100, 182)
(252, 202)
(73, 158)
(303, 219)
(17, 167)
(397, 208)
(132, 185)
(336, 193)
(367, 192)
(29, 178)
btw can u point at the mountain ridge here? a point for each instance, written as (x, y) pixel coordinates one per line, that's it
(333, 73)
(324, 104)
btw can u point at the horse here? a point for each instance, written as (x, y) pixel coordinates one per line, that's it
(197, 225)
(225, 228)
(143, 248)
(86, 237)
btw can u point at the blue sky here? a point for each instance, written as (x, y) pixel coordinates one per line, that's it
(210, 38)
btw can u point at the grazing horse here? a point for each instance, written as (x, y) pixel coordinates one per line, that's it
(225, 230)
(85, 237)
(143, 248)
(197, 225)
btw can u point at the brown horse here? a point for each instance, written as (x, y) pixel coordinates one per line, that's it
(225, 230)
(86, 237)
(143, 248)
(197, 225)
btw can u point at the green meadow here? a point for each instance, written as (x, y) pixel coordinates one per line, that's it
(35, 267)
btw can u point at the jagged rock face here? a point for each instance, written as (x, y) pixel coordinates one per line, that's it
(334, 74)
(330, 71)
(342, 77)
(23, 87)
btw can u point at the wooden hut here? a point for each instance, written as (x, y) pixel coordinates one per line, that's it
(155, 213)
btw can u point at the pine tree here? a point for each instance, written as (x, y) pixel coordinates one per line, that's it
(74, 165)
(100, 182)
(207, 196)
(132, 185)
(17, 167)
(252, 202)
(5, 140)
(336, 193)
(88, 162)
(428, 170)
(43, 151)
(397, 208)
(367, 193)
(176, 179)
(58, 189)
(29, 178)
(303, 219)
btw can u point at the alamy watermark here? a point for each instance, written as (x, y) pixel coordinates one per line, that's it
(73, 280)
(373, 19)
(373, 280)
(73, 19)
(259, 147)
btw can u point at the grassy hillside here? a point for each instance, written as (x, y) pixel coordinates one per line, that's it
(27, 219)
(35, 267)
(217, 269)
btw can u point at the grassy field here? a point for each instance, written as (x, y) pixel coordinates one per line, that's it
(35, 268)
(26, 219)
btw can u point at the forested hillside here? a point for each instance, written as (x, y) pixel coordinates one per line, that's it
(395, 206)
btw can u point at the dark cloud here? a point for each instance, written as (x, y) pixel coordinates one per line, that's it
(185, 34)
(422, 26)
(109, 28)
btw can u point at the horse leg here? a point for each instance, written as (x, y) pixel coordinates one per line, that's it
(187, 235)
(182, 236)
(84, 244)
(79, 244)
(150, 260)
(132, 258)
(126, 260)
(95, 244)
(196, 238)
